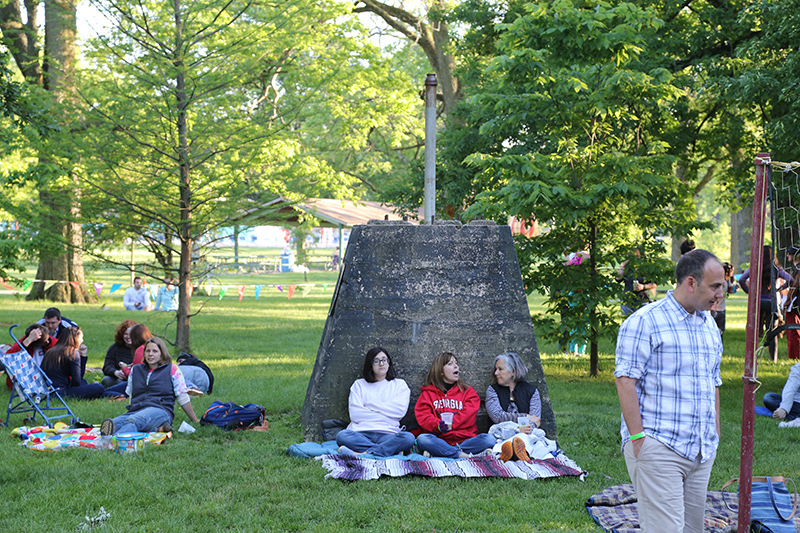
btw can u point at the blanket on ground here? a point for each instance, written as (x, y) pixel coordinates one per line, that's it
(614, 509)
(62, 437)
(353, 468)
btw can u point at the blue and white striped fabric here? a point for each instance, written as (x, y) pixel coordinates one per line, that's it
(26, 374)
(675, 358)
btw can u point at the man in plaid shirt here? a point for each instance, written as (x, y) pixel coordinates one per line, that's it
(668, 376)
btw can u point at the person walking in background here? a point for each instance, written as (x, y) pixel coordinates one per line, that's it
(687, 246)
(792, 314)
(718, 309)
(667, 374)
(769, 268)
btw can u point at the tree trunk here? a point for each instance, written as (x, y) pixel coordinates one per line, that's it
(741, 237)
(433, 37)
(594, 356)
(63, 263)
(182, 338)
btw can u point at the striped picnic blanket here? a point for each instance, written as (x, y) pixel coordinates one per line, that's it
(353, 468)
(614, 509)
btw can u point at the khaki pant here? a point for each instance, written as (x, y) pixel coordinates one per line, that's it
(670, 490)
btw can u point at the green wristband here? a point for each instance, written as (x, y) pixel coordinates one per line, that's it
(637, 436)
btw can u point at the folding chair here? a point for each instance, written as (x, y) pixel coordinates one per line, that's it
(32, 390)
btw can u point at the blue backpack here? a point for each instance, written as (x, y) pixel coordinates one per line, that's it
(231, 416)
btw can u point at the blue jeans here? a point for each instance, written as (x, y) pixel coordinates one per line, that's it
(87, 391)
(145, 420)
(374, 442)
(439, 448)
(772, 401)
(194, 376)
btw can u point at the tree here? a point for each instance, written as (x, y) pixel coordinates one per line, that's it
(191, 118)
(576, 145)
(431, 32)
(58, 236)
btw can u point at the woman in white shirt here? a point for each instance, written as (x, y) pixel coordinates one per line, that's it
(377, 403)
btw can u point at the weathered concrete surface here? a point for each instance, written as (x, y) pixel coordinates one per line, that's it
(418, 291)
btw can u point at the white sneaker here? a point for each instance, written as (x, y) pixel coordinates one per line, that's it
(793, 424)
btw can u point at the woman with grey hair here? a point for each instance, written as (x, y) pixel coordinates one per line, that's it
(510, 396)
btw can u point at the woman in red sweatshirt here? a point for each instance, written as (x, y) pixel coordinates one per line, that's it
(446, 412)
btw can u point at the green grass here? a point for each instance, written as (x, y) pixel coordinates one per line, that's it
(263, 351)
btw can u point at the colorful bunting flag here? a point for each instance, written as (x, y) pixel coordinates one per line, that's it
(3, 283)
(222, 291)
(97, 288)
(291, 291)
(241, 291)
(75, 285)
(48, 284)
(27, 285)
(324, 287)
(115, 287)
(279, 288)
(258, 290)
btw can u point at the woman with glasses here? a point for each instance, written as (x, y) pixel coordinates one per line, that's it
(447, 411)
(377, 403)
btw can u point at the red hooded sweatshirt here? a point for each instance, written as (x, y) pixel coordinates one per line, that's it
(464, 406)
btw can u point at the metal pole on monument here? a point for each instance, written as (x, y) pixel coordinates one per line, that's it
(750, 376)
(430, 148)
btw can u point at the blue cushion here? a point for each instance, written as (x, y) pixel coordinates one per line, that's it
(306, 450)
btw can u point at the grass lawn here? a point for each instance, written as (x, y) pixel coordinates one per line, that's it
(263, 351)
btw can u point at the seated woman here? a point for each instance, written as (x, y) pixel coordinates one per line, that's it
(153, 388)
(446, 412)
(511, 398)
(139, 334)
(377, 403)
(167, 298)
(119, 352)
(62, 364)
(787, 404)
(37, 341)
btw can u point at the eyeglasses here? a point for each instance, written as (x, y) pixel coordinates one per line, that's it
(380, 362)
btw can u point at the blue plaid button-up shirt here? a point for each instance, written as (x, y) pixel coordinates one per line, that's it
(675, 358)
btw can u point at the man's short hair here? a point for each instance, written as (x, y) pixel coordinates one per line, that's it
(137, 277)
(53, 312)
(692, 264)
(687, 246)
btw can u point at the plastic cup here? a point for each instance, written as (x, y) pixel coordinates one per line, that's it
(447, 418)
(523, 420)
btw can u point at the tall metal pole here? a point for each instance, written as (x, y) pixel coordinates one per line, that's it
(430, 148)
(750, 362)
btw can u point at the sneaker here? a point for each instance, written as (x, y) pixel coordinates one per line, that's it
(164, 428)
(791, 424)
(507, 451)
(519, 449)
(193, 391)
(344, 450)
(107, 427)
(426, 454)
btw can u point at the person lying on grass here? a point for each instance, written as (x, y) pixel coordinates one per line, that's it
(447, 412)
(377, 403)
(153, 388)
